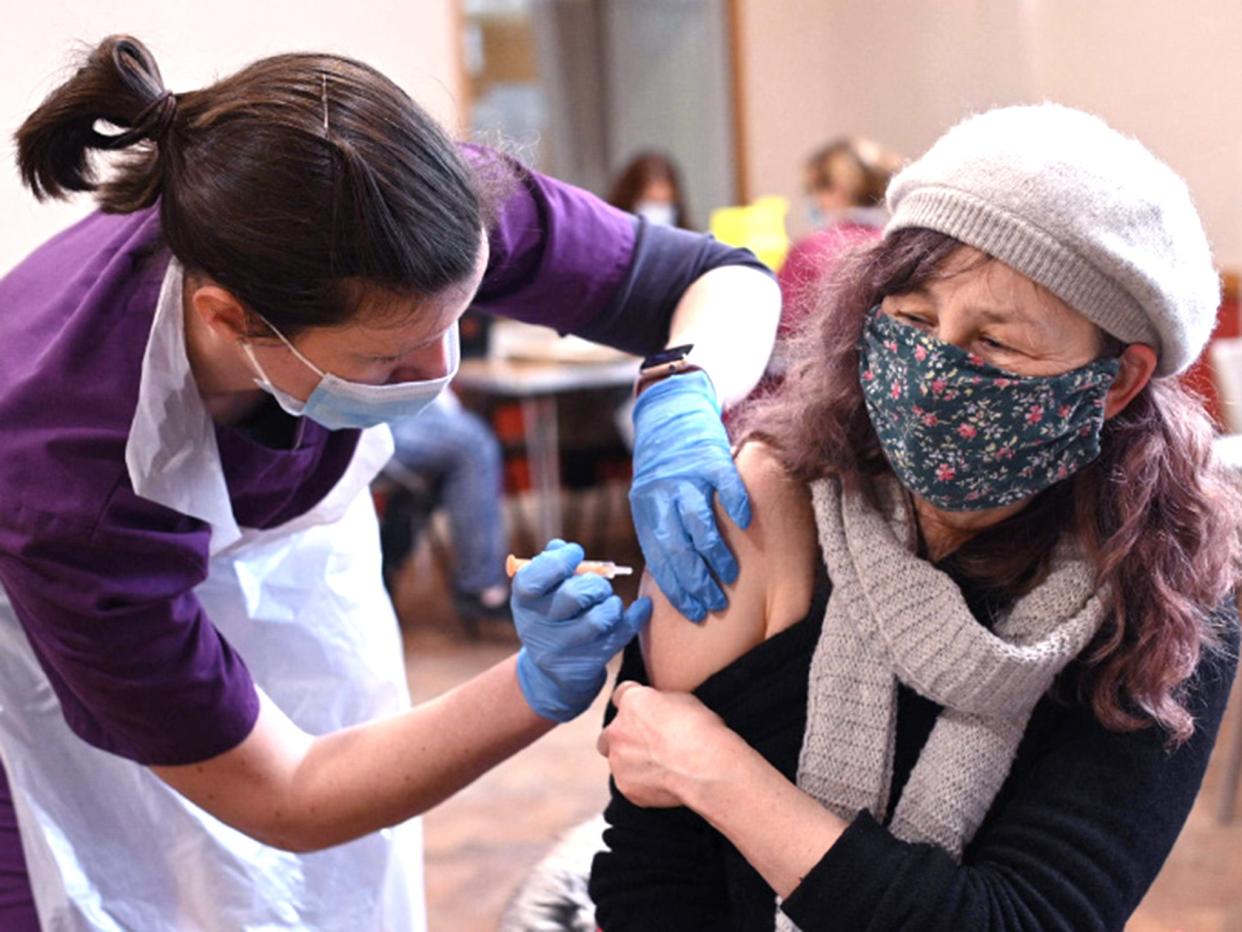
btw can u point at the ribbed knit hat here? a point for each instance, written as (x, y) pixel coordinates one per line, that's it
(1083, 210)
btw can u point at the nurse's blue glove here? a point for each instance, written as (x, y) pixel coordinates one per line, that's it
(570, 627)
(681, 456)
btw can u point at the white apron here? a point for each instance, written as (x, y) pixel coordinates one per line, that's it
(108, 845)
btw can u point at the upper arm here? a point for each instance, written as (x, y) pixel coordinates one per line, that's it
(141, 672)
(667, 267)
(138, 667)
(776, 557)
(558, 253)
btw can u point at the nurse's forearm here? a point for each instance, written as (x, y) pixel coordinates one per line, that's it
(387, 771)
(293, 791)
(730, 315)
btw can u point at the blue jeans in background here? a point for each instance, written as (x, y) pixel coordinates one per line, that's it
(456, 450)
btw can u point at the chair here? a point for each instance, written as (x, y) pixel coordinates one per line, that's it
(407, 502)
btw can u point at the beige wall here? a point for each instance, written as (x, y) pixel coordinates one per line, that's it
(898, 70)
(1168, 73)
(903, 70)
(412, 41)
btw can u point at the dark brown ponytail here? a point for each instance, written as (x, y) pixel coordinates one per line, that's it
(304, 183)
(119, 83)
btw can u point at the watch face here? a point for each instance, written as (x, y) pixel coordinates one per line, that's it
(672, 354)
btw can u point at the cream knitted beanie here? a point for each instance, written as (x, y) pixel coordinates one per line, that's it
(1083, 210)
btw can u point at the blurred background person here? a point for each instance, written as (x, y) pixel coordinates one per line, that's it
(650, 186)
(451, 457)
(845, 183)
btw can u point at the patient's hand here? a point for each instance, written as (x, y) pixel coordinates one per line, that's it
(661, 743)
(776, 554)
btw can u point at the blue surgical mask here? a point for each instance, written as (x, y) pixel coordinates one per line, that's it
(338, 404)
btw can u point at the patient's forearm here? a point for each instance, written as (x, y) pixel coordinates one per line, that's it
(780, 830)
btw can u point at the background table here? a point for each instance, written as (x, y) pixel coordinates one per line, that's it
(537, 385)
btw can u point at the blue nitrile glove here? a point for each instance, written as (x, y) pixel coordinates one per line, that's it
(681, 455)
(570, 628)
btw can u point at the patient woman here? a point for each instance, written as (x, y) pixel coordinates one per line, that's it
(978, 652)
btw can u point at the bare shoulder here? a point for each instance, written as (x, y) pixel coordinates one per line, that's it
(782, 537)
(770, 485)
(776, 556)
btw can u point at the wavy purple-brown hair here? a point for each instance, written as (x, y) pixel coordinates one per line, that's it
(1158, 518)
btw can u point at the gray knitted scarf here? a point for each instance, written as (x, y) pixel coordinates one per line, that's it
(893, 617)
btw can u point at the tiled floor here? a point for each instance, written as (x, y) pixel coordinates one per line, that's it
(481, 843)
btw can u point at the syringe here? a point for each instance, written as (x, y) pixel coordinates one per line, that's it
(605, 568)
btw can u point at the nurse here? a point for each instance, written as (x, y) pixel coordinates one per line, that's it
(203, 713)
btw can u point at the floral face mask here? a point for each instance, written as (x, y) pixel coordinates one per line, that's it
(965, 435)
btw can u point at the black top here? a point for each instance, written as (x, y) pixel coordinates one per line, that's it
(1075, 836)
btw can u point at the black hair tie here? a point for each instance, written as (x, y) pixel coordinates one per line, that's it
(152, 122)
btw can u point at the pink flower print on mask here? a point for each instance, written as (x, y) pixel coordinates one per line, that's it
(966, 431)
(930, 419)
(868, 376)
(945, 472)
(895, 391)
(938, 386)
(1002, 383)
(1035, 415)
(920, 352)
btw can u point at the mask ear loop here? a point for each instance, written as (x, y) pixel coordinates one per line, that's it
(261, 377)
(293, 349)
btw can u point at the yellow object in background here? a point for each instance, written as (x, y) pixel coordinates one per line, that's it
(759, 226)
